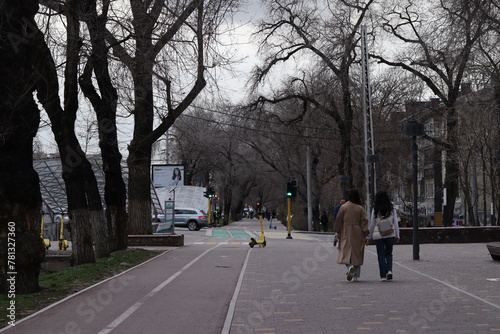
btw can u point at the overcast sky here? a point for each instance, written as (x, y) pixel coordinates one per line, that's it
(243, 49)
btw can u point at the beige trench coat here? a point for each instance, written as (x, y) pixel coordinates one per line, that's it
(352, 225)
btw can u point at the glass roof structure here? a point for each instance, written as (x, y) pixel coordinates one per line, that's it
(53, 188)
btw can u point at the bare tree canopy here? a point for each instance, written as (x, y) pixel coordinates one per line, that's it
(437, 50)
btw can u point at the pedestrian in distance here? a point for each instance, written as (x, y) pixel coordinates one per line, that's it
(351, 229)
(335, 212)
(337, 208)
(270, 217)
(324, 221)
(384, 231)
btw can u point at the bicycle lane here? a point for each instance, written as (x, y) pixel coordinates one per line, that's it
(177, 287)
(197, 302)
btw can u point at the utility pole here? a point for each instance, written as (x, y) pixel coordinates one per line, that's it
(414, 129)
(309, 189)
(370, 157)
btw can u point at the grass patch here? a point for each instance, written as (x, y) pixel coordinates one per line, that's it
(55, 286)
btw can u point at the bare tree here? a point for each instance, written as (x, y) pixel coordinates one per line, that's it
(84, 200)
(180, 30)
(286, 137)
(391, 90)
(489, 67)
(437, 50)
(151, 38)
(21, 251)
(326, 33)
(477, 152)
(209, 143)
(104, 101)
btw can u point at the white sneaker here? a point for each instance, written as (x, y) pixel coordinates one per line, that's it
(355, 279)
(383, 279)
(389, 275)
(350, 273)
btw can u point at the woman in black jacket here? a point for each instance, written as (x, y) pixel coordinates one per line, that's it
(383, 210)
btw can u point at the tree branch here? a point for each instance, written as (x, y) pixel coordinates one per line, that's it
(174, 113)
(59, 6)
(167, 37)
(430, 83)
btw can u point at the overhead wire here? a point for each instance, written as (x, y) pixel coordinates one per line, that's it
(257, 129)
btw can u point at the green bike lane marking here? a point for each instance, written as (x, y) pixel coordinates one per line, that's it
(220, 234)
(240, 234)
(228, 234)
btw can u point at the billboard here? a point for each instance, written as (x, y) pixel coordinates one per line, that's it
(168, 175)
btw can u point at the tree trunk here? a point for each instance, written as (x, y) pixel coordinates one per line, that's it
(21, 250)
(345, 127)
(451, 185)
(495, 194)
(105, 107)
(77, 173)
(493, 178)
(451, 165)
(469, 200)
(139, 194)
(484, 192)
(87, 205)
(228, 194)
(237, 209)
(139, 159)
(20, 201)
(76, 170)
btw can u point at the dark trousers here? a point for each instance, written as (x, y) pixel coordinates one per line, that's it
(384, 253)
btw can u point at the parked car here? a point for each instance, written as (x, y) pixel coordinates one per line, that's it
(193, 219)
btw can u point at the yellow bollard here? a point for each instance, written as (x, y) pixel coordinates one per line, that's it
(63, 244)
(289, 218)
(46, 242)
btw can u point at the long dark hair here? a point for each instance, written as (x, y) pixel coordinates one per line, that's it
(353, 196)
(383, 205)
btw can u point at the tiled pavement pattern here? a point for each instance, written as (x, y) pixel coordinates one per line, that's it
(453, 288)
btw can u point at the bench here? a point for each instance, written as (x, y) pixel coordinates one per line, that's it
(494, 249)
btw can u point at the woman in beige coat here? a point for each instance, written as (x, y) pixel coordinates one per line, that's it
(351, 227)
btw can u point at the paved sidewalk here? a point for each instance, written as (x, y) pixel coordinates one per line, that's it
(289, 286)
(453, 288)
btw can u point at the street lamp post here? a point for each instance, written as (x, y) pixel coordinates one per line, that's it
(414, 129)
(371, 159)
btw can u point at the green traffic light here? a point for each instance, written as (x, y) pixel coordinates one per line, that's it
(289, 194)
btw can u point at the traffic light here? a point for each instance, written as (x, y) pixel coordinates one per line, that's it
(291, 188)
(209, 193)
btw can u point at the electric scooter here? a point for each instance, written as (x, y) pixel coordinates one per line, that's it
(262, 239)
